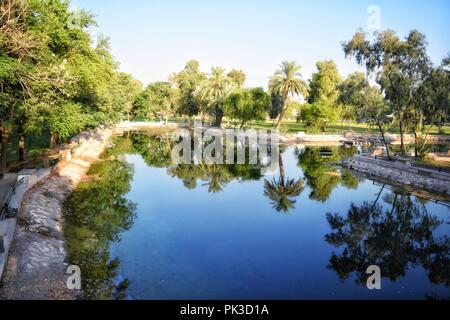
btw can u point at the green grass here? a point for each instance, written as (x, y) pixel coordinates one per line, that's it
(359, 128)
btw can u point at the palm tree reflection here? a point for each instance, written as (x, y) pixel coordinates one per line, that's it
(283, 191)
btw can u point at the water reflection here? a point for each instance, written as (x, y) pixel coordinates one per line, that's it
(395, 239)
(283, 191)
(394, 231)
(321, 176)
(96, 214)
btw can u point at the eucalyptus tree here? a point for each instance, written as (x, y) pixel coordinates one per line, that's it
(285, 82)
(432, 105)
(215, 89)
(399, 66)
(374, 110)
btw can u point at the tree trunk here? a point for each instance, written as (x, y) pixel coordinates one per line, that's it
(54, 139)
(219, 116)
(378, 197)
(283, 110)
(384, 140)
(242, 124)
(402, 143)
(416, 144)
(21, 147)
(281, 165)
(4, 150)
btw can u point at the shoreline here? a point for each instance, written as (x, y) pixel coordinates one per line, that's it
(415, 180)
(38, 259)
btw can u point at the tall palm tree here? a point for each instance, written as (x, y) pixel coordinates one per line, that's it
(287, 81)
(215, 89)
(282, 192)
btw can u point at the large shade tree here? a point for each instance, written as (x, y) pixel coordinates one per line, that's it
(323, 97)
(247, 104)
(400, 67)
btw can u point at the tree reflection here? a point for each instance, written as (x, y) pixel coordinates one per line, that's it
(96, 214)
(283, 191)
(321, 176)
(393, 239)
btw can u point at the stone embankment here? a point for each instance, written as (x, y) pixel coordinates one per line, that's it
(331, 139)
(402, 173)
(37, 260)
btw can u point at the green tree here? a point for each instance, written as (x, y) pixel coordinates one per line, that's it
(400, 67)
(323, 96)
(285, 82)
(237, 77)
(374, 110)
(247, 105)
(350, 95)
(215, 90)
(187, 82)
(432, 105)
(96, 214)
(158, 100)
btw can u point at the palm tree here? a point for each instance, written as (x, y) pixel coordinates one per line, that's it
(282, 192)
(215, 89)
(286, 81)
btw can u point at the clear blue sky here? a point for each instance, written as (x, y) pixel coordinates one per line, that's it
(154, 38)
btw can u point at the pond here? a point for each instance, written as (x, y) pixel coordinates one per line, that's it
(141, 228)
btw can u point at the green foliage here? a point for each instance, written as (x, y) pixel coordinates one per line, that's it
(157, 101)
(325, 84)
(287, 81)
(214, 90)
(237, 77)
(187, 82)
(318, 115)
(52, 77)
(322, 178)
(322, 108)
(247, 105)
(400, 67)
(96, 213)
(275, 106)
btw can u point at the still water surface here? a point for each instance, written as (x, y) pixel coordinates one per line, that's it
(142, 229)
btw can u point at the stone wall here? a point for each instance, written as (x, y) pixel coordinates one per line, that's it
(37, 261)
(401, 173)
